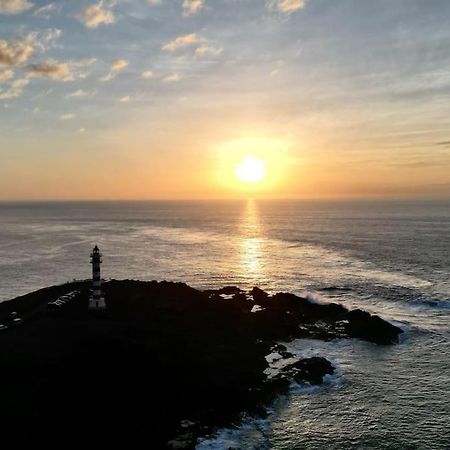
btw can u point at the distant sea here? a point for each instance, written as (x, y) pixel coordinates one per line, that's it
(390, 258)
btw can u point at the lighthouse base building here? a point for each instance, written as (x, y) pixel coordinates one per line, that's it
(96, 300)
(97, 303)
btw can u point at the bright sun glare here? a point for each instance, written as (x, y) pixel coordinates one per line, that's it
(251, 169)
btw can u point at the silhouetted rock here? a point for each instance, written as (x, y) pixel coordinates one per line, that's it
(162, 355)
(258, 294)
(311, 370)
(371, 328)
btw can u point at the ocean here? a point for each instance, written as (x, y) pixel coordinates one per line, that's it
(390, 258)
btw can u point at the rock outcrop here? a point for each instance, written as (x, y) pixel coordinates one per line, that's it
(162, 355)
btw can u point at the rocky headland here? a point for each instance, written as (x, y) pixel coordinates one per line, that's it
(163, 365)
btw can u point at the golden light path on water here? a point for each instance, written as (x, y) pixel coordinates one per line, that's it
(251, 244)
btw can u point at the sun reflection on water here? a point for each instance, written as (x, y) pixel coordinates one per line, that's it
(251, 243)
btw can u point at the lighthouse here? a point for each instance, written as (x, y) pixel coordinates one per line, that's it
(96, 301)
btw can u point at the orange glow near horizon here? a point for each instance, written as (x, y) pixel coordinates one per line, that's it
(182, 109)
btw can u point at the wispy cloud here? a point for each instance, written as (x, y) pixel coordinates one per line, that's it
(110, 76)
(116, 66)
(14, 6)
(208, 50)
(51, 35)
(191, 7)
(46, 11)
(77, 94)
(146, 74)
(286, 6)
(119, 64)
(275, 72)
(97, 14)
(171, 78)
(182, 41)
(67, 116)
(6, 75)
(80, 68)
(13, 89)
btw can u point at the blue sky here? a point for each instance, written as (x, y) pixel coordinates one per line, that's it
(357, 89)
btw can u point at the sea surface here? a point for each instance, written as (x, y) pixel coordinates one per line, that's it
(390, 258)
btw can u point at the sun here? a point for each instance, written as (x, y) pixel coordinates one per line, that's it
(251, 169)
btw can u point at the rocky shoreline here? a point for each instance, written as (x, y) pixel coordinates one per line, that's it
(164, 364)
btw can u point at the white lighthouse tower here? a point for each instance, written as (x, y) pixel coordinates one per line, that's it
(96, 301)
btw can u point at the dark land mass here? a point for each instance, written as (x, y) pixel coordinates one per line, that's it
(164, 364)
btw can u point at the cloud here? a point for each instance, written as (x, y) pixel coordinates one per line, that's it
(286, 6)
(181, 41)
(78, 93)
(191, 7)
(14, 89)
(51, 69)
(94, 15)
(13, 53)
(6, 75)
(14, 6)
(173, 77)
(276, 71)
(119, 64)
(273, 73)
(87, 62)
(110, 76)
(207, 50)
(51, 35)
(147, 74)
(16, 52)
(116, 66)
(60, 71)
(79, 68)
(67, 116)
(46, 11)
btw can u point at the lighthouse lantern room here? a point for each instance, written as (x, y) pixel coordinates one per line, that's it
(96, 300)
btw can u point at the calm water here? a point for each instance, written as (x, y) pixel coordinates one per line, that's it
(388, 258)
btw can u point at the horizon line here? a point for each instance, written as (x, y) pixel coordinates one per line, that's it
(243, 198)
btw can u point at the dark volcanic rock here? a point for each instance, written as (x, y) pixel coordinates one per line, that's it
(311, 370)
(163, 354)
(258, 294)
(371, 328)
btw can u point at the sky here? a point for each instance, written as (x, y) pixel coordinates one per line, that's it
(161, 99)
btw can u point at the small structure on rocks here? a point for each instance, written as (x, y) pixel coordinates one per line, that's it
(96, 300)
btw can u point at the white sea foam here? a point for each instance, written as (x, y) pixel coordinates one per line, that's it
(314, 297)
(254, 433)
(250, 435)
